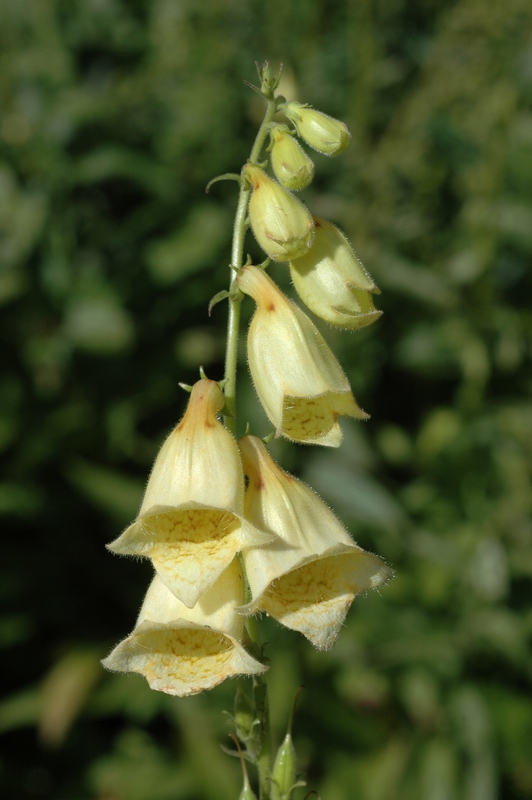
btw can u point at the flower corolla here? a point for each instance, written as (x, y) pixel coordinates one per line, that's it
(300, 384)
(281, 223)
(327, 135)
(183, 651)
(332, 282)
(291, 165)
(191, 522)
(308, 576)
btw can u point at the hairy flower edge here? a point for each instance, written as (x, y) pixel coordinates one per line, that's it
(184, 651)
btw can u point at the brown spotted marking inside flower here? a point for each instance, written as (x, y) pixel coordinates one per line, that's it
(189, 548)
(183, 661)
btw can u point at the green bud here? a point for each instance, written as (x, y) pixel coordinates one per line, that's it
(291, 165)
(284, 770)
(247, 792)
(325, 134)
(282, 225)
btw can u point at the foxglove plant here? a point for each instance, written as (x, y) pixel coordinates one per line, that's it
(222, 554)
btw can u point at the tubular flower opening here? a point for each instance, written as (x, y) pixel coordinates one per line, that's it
(291, 165)
(325, 134)
(309, 575)
(191, 520)
(332, 282)
(281, 223)
(298, 380)
(182, 651)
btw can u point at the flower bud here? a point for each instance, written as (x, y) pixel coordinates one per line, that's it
(308, 576)
(284, 770)
(190, 522)
(281, 223)
(325, 134)
(300, 384)
(182, 651)
(291, 165)
(332, 282)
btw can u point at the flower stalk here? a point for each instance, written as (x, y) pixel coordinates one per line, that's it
(223, 553)
(237, 256)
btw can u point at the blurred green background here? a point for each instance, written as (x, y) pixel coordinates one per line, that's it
(114, 116)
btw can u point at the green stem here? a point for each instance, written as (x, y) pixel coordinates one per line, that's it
(231, 362)
(262, 711)
(264, 763)
(237, 254)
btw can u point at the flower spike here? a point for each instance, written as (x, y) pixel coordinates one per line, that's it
(298, 380)
(191, 520)
(309, 575)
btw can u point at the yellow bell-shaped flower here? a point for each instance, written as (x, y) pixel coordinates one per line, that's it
(327, 135)
(332, 282)
(190, 522)
(309, 575)
(281, 223)
(298, 380)
(183, 651)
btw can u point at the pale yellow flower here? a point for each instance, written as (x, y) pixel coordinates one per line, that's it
(332, 282)
(183, 651)
(309, 575)
(325, 134)
(298, 380)
(282, 225)
(191, 521)
(291, 165)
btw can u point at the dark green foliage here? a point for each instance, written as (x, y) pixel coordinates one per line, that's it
(115, 115)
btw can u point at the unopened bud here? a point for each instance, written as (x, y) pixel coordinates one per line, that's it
(282, 225)
(291, 165)
(325, 134)
(247, 792)
(284, 770)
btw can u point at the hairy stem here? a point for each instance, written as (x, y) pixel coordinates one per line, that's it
(237, 254)
(260, 692)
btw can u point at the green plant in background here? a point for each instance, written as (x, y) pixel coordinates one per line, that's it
(279, 545)
(109, 248)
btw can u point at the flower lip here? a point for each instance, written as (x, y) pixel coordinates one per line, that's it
(189, 545)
